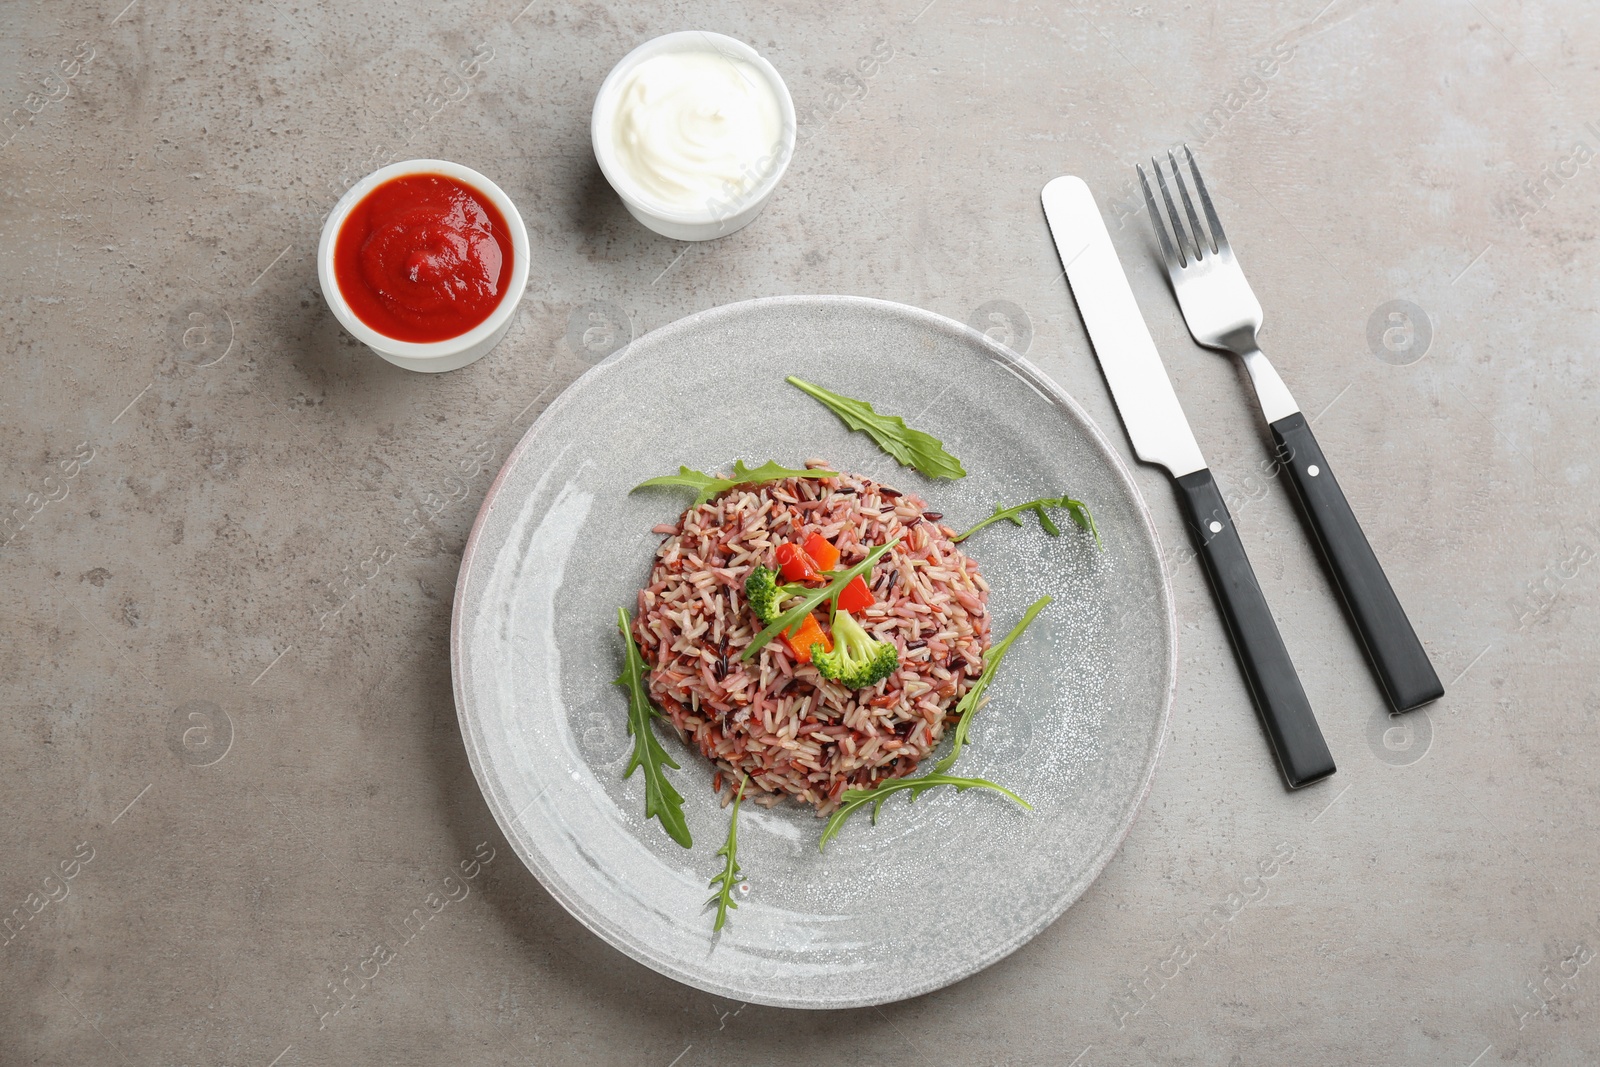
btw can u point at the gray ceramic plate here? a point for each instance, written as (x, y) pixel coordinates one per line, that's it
(937, 890)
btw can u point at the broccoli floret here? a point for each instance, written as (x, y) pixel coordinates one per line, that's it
(766, 595)
(858, 660)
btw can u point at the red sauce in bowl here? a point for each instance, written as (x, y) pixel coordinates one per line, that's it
(423, 258)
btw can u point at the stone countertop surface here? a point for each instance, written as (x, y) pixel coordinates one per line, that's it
(229, 756)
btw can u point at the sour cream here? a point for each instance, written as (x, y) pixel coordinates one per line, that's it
(695, 129)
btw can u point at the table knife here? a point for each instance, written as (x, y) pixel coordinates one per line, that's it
(1161, 436)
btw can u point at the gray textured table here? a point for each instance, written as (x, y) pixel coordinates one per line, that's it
(230, 755)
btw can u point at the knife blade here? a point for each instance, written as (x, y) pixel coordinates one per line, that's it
(1161, 435)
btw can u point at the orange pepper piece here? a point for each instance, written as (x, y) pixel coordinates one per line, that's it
(819, 549)
(803, 636)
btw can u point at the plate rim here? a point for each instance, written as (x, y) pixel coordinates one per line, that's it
(1030, 374)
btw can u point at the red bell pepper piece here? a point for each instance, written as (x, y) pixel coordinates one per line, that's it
(819, 549)
(794, 564)
(803, 636)
(855, 596)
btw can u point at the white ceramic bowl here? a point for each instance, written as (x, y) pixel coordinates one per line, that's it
(700, 224)
(433, 356)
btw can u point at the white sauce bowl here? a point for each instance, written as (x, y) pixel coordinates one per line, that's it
(714, 219)
(434, 356)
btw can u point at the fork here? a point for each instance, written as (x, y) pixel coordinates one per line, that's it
(1222, 312)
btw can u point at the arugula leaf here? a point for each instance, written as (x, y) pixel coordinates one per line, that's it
(912, 448)
(706, 486)
(804, 606)
(723, 897)
(968, 705)
(661, 801)
(855, 799)
(1076, 508)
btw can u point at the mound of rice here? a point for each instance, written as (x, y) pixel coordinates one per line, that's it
(774, 718)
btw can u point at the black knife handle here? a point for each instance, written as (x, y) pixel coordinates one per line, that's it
(1285, 711)
(1398, 658)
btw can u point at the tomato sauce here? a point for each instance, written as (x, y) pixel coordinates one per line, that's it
(423, 258)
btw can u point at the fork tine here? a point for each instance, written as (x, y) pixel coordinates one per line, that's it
(1171, 253)
(1201, 241)
(1218, 238)
(1172, 215)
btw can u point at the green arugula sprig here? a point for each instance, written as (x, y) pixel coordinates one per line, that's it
(854, 800)
(723, 897)
(807, 603)
(1076, 508)
(968, 705)
(661, 800)
(912, 448)
(706, 486)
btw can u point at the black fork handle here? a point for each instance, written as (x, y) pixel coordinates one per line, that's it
(1398, 658)
(1285, 712)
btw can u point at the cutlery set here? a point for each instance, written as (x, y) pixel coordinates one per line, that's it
(1222, 312)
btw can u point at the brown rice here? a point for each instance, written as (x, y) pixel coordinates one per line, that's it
(775, 719)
